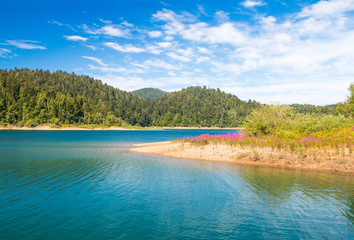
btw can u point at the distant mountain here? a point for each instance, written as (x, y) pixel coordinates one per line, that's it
(149, 93)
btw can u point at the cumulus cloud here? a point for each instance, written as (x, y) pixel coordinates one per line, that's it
(269, 59)
(252, 3)
(25, 44)
(76, 38)
(204, 50)
(202, 59)
(329, 8)
(155, 34)
(164, 44)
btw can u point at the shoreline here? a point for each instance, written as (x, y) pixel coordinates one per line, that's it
(46, 127)
(242, 155)
(49, 128)
(206, 128)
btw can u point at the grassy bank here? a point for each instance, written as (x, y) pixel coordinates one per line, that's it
(331, 149)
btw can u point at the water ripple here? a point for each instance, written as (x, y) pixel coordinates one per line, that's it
(98, 190)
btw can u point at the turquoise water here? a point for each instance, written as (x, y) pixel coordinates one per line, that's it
(85, 185)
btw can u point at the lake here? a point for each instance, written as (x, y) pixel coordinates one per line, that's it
(86, 185)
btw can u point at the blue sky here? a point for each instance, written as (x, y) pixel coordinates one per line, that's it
(295, 51)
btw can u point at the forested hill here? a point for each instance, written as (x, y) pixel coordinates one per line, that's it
(149, 93)
(197, 106)
(38, 97)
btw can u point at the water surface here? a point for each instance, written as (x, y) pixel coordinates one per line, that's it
(85, 185)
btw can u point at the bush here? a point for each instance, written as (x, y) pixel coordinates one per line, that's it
(32, 123)
(281, 120)
(267, 119)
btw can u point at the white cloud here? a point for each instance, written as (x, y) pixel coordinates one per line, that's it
(112, 30)
(76, 38)
(227, 32)
(4, 53)
(291, 91)
(202, 10)
(204, 50)
(108, 69)
(224, 33)
(329, 8)
(113, 70)
(188, 52)
(302, 57)
(168, 38)
(252, 3)
(153, 49)
(97, 60)
(125, 48)
(202, 59)
(155, 34)
(164, 44)
(222, 16)
(175, 22)
(25, 44)
(157, 63)
(62, 24)
(91, 47)
(178, 57)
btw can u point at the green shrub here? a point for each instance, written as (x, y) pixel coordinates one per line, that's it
(281, 120)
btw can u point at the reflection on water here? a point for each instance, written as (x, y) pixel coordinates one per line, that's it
(89, 187)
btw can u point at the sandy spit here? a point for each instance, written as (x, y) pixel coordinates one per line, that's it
(242, 155)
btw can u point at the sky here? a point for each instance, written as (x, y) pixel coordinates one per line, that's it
(272, 51)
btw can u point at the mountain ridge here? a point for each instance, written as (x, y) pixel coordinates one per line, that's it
(150, 92)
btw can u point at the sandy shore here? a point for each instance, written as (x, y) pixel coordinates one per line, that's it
(103, 128)
(245, 155)
(216, 128)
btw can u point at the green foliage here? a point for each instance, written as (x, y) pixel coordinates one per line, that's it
(200, 106)
(39, 97)
(267, 119)
(347, 108)
(281, 120)
(150, 93)
(312, 109)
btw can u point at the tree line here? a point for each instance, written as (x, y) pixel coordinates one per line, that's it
(35, 97)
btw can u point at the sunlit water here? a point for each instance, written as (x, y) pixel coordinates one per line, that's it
(85, 185)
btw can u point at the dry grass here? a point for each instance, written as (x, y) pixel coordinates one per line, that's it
(319, 159)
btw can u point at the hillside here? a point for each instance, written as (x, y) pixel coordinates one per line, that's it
(200, 106)
(34, 97)
(149, 93)
(30, 98)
